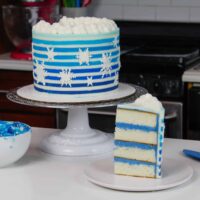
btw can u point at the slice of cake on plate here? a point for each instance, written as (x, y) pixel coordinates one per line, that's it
(139, 138)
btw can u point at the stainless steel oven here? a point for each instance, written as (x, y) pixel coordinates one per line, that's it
(173, 119)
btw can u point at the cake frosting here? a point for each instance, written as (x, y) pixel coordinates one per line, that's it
(76, 56)
(147, 101)
(80, 25)
(139, 137)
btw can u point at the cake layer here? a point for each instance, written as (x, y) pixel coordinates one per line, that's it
(134, 168)
(129, 126)
(136, 136)
(76, 64)
(136, 117)
(135, 151)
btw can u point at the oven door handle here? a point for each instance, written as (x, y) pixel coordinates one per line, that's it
(172, 115)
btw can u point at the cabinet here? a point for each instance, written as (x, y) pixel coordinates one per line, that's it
(34, 116)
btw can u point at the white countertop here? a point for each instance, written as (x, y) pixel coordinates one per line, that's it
(8, 63)
(192, 75)
(39, 176)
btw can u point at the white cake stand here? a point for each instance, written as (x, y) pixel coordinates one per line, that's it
(77, 139)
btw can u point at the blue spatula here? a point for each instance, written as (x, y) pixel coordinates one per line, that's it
(192, 154)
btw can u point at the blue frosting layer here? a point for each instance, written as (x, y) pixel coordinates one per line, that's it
(73, 42)
(84, 36)
(78, 78)
(144, 128)
(133, 162)
(71, 50)
(69, 57)
(77, 92)
(8, 129)
(73, 64)
(135, 145)
(92, 70)
(75, 85)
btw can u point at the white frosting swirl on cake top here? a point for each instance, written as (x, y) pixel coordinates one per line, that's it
(147, 101)
(79, 25)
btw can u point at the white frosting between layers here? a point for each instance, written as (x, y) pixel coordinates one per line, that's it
(146, 102)
(79, 25)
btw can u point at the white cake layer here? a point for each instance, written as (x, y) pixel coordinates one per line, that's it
(136, 136)
(136, 117)
(134, 170)
(136, 154)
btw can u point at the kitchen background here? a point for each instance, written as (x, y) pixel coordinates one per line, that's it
(160, 41)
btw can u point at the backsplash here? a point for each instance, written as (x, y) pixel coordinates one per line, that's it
(147, 10)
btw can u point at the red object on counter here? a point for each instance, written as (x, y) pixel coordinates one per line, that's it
(22, 52)
(20, 56)
(86, 2)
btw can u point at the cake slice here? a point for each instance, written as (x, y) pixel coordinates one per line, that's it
(139, 138)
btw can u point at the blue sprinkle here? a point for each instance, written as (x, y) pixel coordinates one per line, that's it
(161, 137)
(160, 152)
(159, 173)
(160, 159)
(12, 128)
(162, 128)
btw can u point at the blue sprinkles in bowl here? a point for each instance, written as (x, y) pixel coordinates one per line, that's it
(8, 128)
(15, 139)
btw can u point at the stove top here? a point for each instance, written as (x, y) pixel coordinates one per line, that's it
(164, 55)
(158, 68)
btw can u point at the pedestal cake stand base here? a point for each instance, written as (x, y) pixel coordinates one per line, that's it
(77, 139)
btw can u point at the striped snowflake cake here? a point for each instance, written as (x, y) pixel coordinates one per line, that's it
(76, 56)
(139, 138)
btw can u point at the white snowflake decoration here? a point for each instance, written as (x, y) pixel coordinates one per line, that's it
(50, 53)
(115, 42)
(106, 66)
(84, 56)
(66, 77)
(40, 72)
(89, 81)
(116, 80)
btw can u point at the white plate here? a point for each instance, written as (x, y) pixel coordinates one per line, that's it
(174, 173)
(28, 92)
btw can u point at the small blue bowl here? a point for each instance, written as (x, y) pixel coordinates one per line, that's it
(15, 139)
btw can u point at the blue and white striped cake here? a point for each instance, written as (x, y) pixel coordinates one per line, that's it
(76, 56)
(139, 138)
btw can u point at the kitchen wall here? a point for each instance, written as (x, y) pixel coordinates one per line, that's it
(148, 10)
